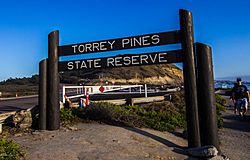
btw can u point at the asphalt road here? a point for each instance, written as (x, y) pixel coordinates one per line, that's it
(17, 104)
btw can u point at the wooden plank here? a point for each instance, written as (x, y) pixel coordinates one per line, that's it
(125, 60)
(147, 40)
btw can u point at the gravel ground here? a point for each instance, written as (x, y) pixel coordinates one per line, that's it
(235, 136)
(102, 142)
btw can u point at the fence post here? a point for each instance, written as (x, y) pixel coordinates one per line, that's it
(42, 94)
(63, 94)
(187, 43)
(206, 96)
(53, 119)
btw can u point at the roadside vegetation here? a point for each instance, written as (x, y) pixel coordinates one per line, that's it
(162, 116)
(19, 86)
(9, 150)
(220, 107)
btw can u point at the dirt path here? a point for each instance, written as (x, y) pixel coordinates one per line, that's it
(235, 136)
(103, 142)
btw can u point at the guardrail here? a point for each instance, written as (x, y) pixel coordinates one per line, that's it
(21, 97)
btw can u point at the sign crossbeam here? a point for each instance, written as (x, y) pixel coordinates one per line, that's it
(124, 60)
(147, 40)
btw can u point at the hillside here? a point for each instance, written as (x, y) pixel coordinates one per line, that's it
(19, 86)
(155, 74)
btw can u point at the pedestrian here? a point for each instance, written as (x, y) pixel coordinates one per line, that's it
(240, 96)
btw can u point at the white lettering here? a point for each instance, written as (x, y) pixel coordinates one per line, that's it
(162, 58)
(156, 39)
(134, 60)
(126, 61)
(118, 61)
(74, 48)
(144, 58)
(145, 41)
(124, 42)
(83, 65)
(137, 42)
(153, 59)
(70, 65)
(81, 48)
(102, 46)
(77, 64)
(110, 61)
(111, 44)
(97, 63)
(89, 62)
(95, 46)
(88, 46)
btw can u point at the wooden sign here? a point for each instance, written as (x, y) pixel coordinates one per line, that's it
(184, 36)
(124, 60)
(146, 40)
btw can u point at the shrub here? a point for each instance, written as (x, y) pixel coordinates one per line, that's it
(68, 115)
(10, 150)
(164, 116)
(220, 107)
(112, 114)
(219, 99)
(161, 116)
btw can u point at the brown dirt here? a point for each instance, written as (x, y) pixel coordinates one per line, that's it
(92, 141)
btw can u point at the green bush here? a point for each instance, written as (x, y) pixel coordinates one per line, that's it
(161, 116)
(10, 150)
(219, 99)
(68, 115)
(220, 107)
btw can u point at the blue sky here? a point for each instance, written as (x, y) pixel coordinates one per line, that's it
(25, 25)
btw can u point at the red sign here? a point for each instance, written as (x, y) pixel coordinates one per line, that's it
(101, 89)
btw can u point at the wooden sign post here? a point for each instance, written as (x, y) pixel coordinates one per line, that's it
(187, 43)
(206, 96)
(53, 108)
(42, 94)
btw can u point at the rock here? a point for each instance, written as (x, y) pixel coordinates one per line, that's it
(18, 134)
(36, 133)
(22, 119)
(24, 126)
(116, 140)
(222, 157)
(203, 152)
(147, 155)
(72, 128)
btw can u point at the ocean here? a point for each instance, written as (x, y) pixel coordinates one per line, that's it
(228, 84)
